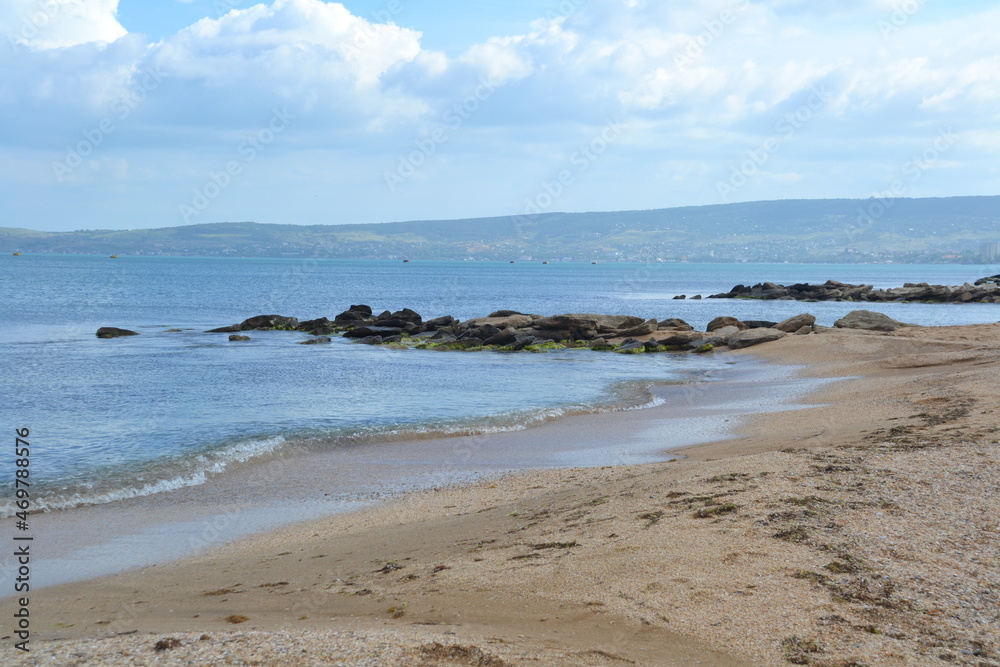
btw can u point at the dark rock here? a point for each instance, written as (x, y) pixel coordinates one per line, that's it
(601, 324)
(364, 332)
(269, 322)
(384, 315)
(753, 337)
(392, 339)
(697, 297)
(319, 340)
(995, 280)
(759, 324)
(114, 332)
(868, 320)
(630, 344)
(438, 322)
(680, 297)
(720, 322)
(366, 310)
(353, 316)
(232, 328)
(644, 329)
(488, 331)
(681, 339)
(236, 337)
(505, 337)
(504, 313)
(650, 345)
(370, 340)
(441, 336)
(675, 323)
(793, 324)
(318, 327)
(405, 315)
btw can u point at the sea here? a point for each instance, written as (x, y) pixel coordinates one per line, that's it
(175, 407)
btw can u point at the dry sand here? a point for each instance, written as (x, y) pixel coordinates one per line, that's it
(862, 532)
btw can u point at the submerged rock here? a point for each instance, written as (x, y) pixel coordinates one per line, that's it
(319, 340)
(267, 322)
(238, 337)
(115, 332)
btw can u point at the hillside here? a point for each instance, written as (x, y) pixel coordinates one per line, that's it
(951, 229)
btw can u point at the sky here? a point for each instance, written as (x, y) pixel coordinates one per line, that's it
(126, 114)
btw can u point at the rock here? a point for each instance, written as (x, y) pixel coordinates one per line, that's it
(754, 337)
(505, 337)
(680, 297)
(681, 339)
(441, 336)
(759, 324)
(319, 340)
(114, 332)
(868, 320)
(602, 324)
(804, 331)
(727, 331)
(720, 322)
(514, 320)
(236, 337)
(504, 313)
(352, 316)
(650, 346)
(630, 344)
(390, 340)
(793, 324)
(318, 327)
(232, 328)
(989, 279)
(644, 329)
(697, 297)
(487, 331)
(364, 332)
(675, 323)
(363, 309)
(438, 322)
(405, 315)
(370, 340)
(268, 322)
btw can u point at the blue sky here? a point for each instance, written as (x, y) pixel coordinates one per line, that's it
(129, 114)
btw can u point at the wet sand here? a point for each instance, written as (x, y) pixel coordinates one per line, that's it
(863, 528)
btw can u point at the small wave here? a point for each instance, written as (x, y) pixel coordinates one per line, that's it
(175, 473)
(164, 476)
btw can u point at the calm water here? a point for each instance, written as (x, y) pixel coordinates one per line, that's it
(118, 418)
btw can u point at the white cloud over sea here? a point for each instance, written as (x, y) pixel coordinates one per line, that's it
(717, 100)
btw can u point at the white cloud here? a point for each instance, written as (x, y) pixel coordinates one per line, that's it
(54, 24)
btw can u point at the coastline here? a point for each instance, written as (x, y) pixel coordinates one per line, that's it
(594, 565)
(311, 485)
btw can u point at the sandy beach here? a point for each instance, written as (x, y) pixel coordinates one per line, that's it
(861, 530)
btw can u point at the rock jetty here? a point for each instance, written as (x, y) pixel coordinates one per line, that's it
(985, 290)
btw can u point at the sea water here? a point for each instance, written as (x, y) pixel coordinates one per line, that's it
(175, 406)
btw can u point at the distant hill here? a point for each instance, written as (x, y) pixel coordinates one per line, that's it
(954, 229)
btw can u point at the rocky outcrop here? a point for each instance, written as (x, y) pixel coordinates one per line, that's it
(365, 332)
(984, 291)
(115, 332)
(238, 337)
(268, 322)
(869, 321)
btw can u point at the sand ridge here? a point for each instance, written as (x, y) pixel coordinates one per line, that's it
(865, 530)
